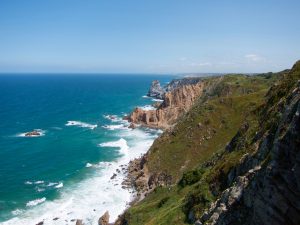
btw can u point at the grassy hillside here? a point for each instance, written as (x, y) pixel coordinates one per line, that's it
(194, 152)
(209, 125)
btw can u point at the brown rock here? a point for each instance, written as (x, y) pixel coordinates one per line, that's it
(79, 222)
(104, 219)
(32, 133)
(176, 102)
(132, 126)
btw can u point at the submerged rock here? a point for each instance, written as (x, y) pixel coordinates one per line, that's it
(33, 133)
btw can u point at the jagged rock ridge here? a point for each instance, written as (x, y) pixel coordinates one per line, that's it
(267, 183)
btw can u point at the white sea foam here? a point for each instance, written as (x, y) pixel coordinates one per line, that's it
(116, 127)
(39, 182)
(35, 202)
(145, 96)
(90, 198)
(51, 184)
(147, 107)
(81, 124)
(40, 131)
(60, 185)
(28, 182)
(157, 100)
(88, 165)
(115, 119)
(39, 189)
(121, 144)
(17, 212)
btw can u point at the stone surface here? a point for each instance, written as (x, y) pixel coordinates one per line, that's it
(176, 102)
(32, 133)
(79, 222)
(268, 192)
(155, 90)
(104, 219)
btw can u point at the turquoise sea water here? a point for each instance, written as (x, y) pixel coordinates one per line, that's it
(63, 167)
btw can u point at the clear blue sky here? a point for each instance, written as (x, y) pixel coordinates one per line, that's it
(157, 36)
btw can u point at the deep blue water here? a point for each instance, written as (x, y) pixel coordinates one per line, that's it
(47, 102)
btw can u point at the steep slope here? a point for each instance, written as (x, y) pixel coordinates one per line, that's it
(251, 177)
(204, 130)
(266, 182)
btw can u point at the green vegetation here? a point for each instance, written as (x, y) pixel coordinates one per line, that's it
(208, 142)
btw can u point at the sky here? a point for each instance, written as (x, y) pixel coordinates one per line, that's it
(140, 36)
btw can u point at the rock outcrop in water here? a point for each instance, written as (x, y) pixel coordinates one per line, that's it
(155, 90)
(104, 219)
(33, 133)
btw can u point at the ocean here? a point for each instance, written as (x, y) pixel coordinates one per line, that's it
(65, 174)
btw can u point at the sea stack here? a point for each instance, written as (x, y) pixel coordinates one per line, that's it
(155, 90)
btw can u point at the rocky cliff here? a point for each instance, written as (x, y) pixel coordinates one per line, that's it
(232, 158)
(155, 90)
(266, 183)
(177, 100)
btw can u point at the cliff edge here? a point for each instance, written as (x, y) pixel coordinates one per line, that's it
(232, 158)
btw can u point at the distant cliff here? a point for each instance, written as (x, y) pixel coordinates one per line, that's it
(178, 97)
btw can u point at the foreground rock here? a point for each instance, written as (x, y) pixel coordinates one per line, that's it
(104, 220)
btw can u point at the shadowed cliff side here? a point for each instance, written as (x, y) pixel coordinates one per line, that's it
(266, 183)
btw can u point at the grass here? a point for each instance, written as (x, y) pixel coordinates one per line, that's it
(194, 153)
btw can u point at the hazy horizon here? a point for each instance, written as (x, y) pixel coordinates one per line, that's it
(159, 37)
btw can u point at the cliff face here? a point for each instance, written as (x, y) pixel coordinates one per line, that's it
(232, 158)
(266, 184)
(176, 102)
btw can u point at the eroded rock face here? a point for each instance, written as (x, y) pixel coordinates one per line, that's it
(176, 102)
(156, 91)
(269, 192)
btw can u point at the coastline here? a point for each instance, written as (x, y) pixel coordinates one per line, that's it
(112, 193)
(102, 189)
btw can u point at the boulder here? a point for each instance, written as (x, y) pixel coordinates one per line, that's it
(32, 133)
(104, 219)
(132, 126)
(79, 222)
